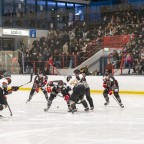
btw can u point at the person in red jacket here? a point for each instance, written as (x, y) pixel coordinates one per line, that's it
(111, 86)
(50, 61)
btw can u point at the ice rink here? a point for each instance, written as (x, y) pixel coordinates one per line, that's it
(105, 125)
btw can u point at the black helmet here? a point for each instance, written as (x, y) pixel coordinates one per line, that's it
(60, 83)
(76, 71)
(106, 74)
(68, 78)
(8, 80)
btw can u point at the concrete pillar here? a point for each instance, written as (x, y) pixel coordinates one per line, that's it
(1, 12)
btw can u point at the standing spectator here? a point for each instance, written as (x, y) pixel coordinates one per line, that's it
(115, 59)
(128, 62)
(85, 70)
(109, 67)
(72, 60)
(22, 45)
(51, 62)
(65, 48)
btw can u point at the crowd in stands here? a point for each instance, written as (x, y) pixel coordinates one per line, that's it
(61, 49)
(66, 48)
(128, 22)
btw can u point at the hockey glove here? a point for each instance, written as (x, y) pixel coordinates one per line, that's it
(5, 96)
(50, 83)
(45, 82)
(49, 89)
(14, 88)
(104, 85)
(37, 89)
(110, 92)
(66, 98)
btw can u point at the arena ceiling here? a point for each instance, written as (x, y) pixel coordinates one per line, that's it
(76, 1)
(80, 1)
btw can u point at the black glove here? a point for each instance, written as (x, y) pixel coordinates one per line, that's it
(14, 88)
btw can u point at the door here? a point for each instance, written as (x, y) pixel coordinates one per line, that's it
(8, 44)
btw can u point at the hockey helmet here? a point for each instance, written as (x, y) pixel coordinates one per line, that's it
(68, 78)
(8, 80)
(106, 74)
(60, 83)
(40, 74)
(76, 71)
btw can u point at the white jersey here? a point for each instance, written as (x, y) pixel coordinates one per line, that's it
(3, 80)
(82, 78)
(74, 82)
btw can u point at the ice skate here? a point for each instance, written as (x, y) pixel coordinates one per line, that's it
(121, 105)
(106, 103)
(92, 108)
(28, 100)
(86, 109)
(74, 110)
(46, 109)
(69, 110)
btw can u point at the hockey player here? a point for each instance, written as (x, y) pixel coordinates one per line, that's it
(87, 88)
(40, 82)
(111, 86)
(57, 87)
(4, 91)
(77, 94)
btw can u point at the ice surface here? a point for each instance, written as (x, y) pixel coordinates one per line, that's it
(105, 125)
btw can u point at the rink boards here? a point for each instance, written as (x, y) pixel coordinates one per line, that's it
(127, 84)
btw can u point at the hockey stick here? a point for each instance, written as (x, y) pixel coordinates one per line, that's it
(117, 101)
(31, 77)
(9, 109)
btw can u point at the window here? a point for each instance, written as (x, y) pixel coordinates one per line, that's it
(30, 6)
(8, 8)
(41, 5)
(61, 12)
(80, 11)
(41, 14)
(51, 7)
(70, 13)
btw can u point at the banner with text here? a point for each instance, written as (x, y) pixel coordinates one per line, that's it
(117, 41)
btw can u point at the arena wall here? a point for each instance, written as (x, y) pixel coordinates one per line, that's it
(127, 84)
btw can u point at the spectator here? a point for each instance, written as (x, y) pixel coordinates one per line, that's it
(85, 70)
(109, 67)
(115, 57)
(128, 62)
(65, 48)
(72, 60)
